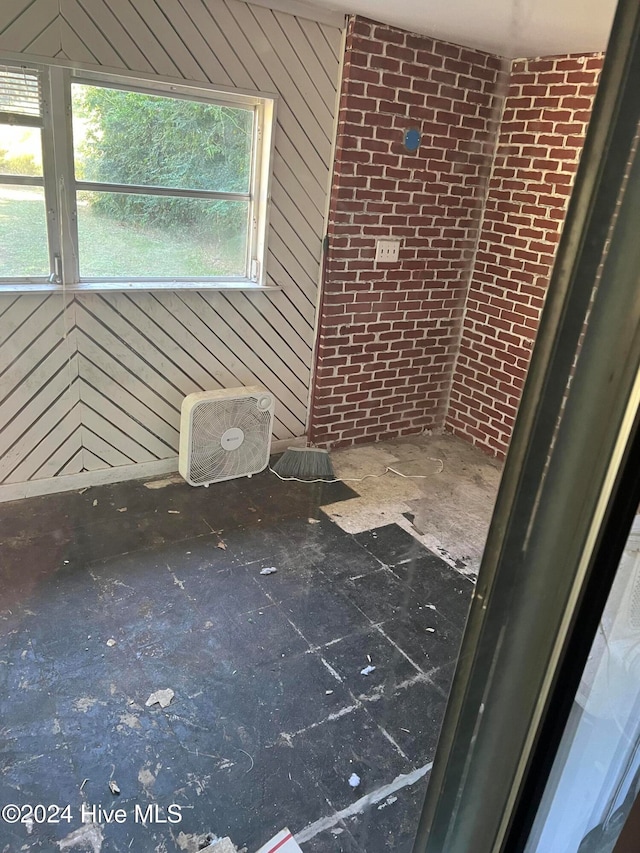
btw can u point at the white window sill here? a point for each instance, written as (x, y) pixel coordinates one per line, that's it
(133, 287)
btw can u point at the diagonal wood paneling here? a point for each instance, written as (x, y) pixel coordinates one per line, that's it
(40, 426)
(109, 393)
(25, 21)
(49, 41)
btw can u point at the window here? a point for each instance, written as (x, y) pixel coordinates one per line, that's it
(110, 183)
(23, 210)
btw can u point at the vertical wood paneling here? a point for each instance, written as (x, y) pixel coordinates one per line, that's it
(109, 393)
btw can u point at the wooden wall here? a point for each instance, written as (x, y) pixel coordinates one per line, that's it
(94, 382)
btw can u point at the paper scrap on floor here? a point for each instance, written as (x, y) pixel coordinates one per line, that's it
(283, 842)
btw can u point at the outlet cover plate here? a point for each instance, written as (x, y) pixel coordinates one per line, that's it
(387, 251)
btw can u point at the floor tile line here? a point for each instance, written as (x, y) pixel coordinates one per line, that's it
(357, 701)
(325, 823)
(290, 621)
(335, 715)
(353, 696)
(333, 672)
(393, 742)
(397, 648)
(378, 692)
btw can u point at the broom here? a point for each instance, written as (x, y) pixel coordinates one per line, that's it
(304, 463)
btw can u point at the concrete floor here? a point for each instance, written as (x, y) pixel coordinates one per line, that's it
(447, 506)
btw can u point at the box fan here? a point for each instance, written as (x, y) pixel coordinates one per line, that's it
(225, 434)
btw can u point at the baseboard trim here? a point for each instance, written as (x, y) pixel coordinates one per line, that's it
(141, 471)
(281, 446)
(104, 476)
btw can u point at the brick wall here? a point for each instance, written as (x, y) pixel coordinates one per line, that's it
(388, 333)
(546, 114)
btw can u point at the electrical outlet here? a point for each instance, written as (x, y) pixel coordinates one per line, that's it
(387, 251)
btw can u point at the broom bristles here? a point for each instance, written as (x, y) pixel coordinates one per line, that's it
(305, 463)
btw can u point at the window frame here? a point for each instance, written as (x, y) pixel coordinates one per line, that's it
(47, 182)
(60, 183)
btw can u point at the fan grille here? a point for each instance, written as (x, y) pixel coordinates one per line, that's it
(209, 460)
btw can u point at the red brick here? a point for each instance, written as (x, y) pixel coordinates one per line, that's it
(399, 52)
(396, 81)
(429, 58)
(585, 76)
(389, 34)
(389, 333)
(497, 366)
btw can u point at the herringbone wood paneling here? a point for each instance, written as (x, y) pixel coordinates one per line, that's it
(96, 381)
(39, 396)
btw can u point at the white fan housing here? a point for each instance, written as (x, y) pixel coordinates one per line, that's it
(225, 434)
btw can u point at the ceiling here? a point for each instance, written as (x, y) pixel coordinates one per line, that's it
(511, 28)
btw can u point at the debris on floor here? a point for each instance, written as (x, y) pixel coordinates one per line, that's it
(388, 802)
(122, 509)
(87, 838)
(250, 757)
(113, 787)
(283, 842)
(222, 545)
(269, 570)
(367, 670)
(146, 778)
(163, 483)
(193, 843)
(222, 845)
(160, 697)
(95, 503)
(429, 509)
(162, 614)
(314, 521)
